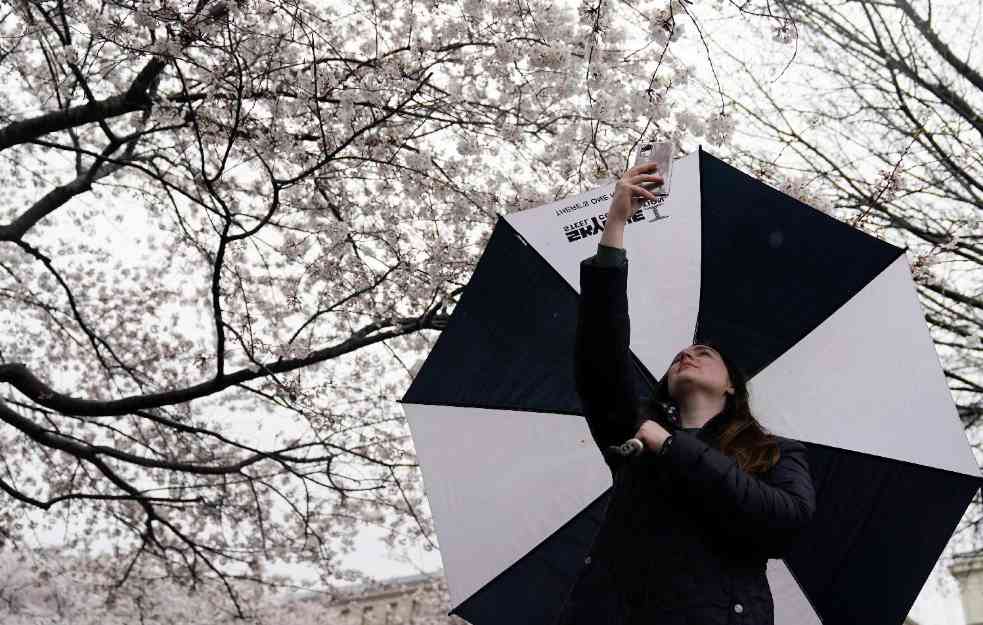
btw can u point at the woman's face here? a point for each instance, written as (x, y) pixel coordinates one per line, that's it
(698, 367)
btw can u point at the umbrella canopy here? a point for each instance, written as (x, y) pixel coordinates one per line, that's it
(824, 319)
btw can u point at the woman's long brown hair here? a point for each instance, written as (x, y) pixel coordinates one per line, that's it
(741, 435)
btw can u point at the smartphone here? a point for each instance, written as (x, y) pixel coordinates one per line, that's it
(659, 152)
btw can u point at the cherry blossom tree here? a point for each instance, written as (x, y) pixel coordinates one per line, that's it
(46, 586)
(231, 231)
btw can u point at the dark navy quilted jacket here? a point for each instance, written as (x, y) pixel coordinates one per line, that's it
(687, 535)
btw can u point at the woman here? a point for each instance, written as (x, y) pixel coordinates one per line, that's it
(693, 519)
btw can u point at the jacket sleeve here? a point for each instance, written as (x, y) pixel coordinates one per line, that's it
(603, 370)
(768, 512)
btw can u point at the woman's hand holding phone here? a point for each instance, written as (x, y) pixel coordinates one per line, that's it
(629, 190)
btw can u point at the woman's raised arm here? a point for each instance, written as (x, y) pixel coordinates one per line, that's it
(603, 369)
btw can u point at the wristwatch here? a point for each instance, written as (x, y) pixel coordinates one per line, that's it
(665, 446)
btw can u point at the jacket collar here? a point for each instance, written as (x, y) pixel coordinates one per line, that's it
(709, 430)
(713, 427)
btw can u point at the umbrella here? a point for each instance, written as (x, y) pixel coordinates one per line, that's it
(824, 318)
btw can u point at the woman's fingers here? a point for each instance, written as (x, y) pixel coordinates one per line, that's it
(646, 178)
(643, 168)
(643, 191)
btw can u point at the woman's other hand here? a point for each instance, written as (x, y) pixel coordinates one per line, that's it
(652, 435)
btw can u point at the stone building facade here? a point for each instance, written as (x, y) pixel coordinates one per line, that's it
(409, 600)
(967, 568)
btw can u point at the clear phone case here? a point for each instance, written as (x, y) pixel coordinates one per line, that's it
(661, 153)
